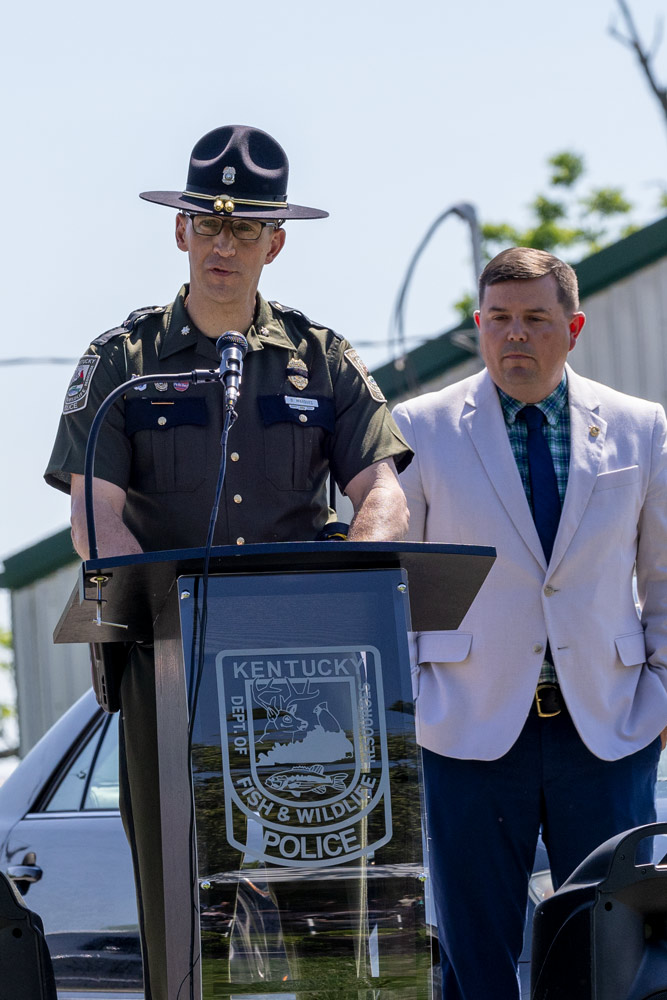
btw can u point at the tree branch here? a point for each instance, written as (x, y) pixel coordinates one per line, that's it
(634, 42)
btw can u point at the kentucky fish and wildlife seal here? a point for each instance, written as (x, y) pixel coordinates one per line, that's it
(304, 754)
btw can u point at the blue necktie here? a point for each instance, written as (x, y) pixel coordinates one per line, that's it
(543, 482)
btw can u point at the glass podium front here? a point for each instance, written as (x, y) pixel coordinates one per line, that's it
(310, 873)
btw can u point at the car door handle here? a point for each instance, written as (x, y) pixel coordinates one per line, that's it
(29, 871)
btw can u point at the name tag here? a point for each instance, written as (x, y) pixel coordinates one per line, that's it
(299, 403)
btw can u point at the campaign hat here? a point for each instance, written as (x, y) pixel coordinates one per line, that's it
(236, 171)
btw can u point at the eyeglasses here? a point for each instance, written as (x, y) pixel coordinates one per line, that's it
(242, 229)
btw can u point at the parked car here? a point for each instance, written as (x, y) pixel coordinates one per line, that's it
(62, 842)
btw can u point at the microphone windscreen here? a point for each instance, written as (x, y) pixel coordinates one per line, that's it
(231, 339)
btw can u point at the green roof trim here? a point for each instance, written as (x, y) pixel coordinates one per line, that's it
(607, 267)
(622, 259)
(423, 363)
(38, 560)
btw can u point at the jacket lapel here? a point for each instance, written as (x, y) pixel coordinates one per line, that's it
(484, 420)
(588, 431)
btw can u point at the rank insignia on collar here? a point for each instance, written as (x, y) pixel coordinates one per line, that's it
(297, 373)
(185, 330)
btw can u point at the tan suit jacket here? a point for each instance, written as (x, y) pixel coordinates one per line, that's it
(475, 686)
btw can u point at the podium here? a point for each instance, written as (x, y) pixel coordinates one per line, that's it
(289, 771)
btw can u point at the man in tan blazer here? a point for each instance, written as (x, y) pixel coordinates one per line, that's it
(543, 711)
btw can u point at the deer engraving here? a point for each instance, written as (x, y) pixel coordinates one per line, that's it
(282, 703)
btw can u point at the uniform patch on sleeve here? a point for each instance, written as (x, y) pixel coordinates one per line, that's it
(76, 396)
(373, 387)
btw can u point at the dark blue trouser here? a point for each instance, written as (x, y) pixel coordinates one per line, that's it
(484, 818)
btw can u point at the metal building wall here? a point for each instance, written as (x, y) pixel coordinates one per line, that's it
(624, 342)
(49, 678)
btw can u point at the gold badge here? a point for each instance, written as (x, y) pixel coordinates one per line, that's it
(297, 373)
(593, 431)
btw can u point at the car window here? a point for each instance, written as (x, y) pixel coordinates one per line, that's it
(90, 781)
(102, 791)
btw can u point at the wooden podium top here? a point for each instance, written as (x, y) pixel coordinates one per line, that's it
(443, 580)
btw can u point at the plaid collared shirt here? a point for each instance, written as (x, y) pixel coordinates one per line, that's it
(557, 433)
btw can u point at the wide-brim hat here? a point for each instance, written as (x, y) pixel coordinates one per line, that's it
(239, 172)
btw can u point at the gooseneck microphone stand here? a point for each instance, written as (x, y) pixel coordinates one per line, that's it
(193, 377)
(232, 348)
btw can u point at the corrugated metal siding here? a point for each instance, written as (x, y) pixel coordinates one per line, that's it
(624, 342)
(49, 678)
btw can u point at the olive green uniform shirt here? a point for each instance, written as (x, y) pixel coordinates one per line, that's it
(307, 405)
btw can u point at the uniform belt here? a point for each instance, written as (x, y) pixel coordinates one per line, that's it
(548, 700)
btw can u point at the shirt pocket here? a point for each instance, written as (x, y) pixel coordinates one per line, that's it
(295, 438)
(443, 647)
(169, 448)
(631, 649)
(618, 477)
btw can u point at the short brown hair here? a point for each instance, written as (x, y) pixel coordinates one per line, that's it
(525, 263)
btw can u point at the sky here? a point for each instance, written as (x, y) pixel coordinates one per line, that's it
(390, 113)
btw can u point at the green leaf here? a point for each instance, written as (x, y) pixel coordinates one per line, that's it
(548, 236)
(568, 168)
(500, 233)
(606, 201)
(465, 306)
(547, 210)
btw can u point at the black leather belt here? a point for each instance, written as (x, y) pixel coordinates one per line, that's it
(549, 700)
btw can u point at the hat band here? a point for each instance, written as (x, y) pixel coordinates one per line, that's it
(223, 203)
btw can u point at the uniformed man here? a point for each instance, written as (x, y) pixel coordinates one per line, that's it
(308, 406)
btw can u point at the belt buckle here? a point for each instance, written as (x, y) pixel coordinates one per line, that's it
(538, 701)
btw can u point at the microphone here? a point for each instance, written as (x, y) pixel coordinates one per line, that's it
(231, 347)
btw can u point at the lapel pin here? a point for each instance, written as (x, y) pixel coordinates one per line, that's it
(593, 431)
